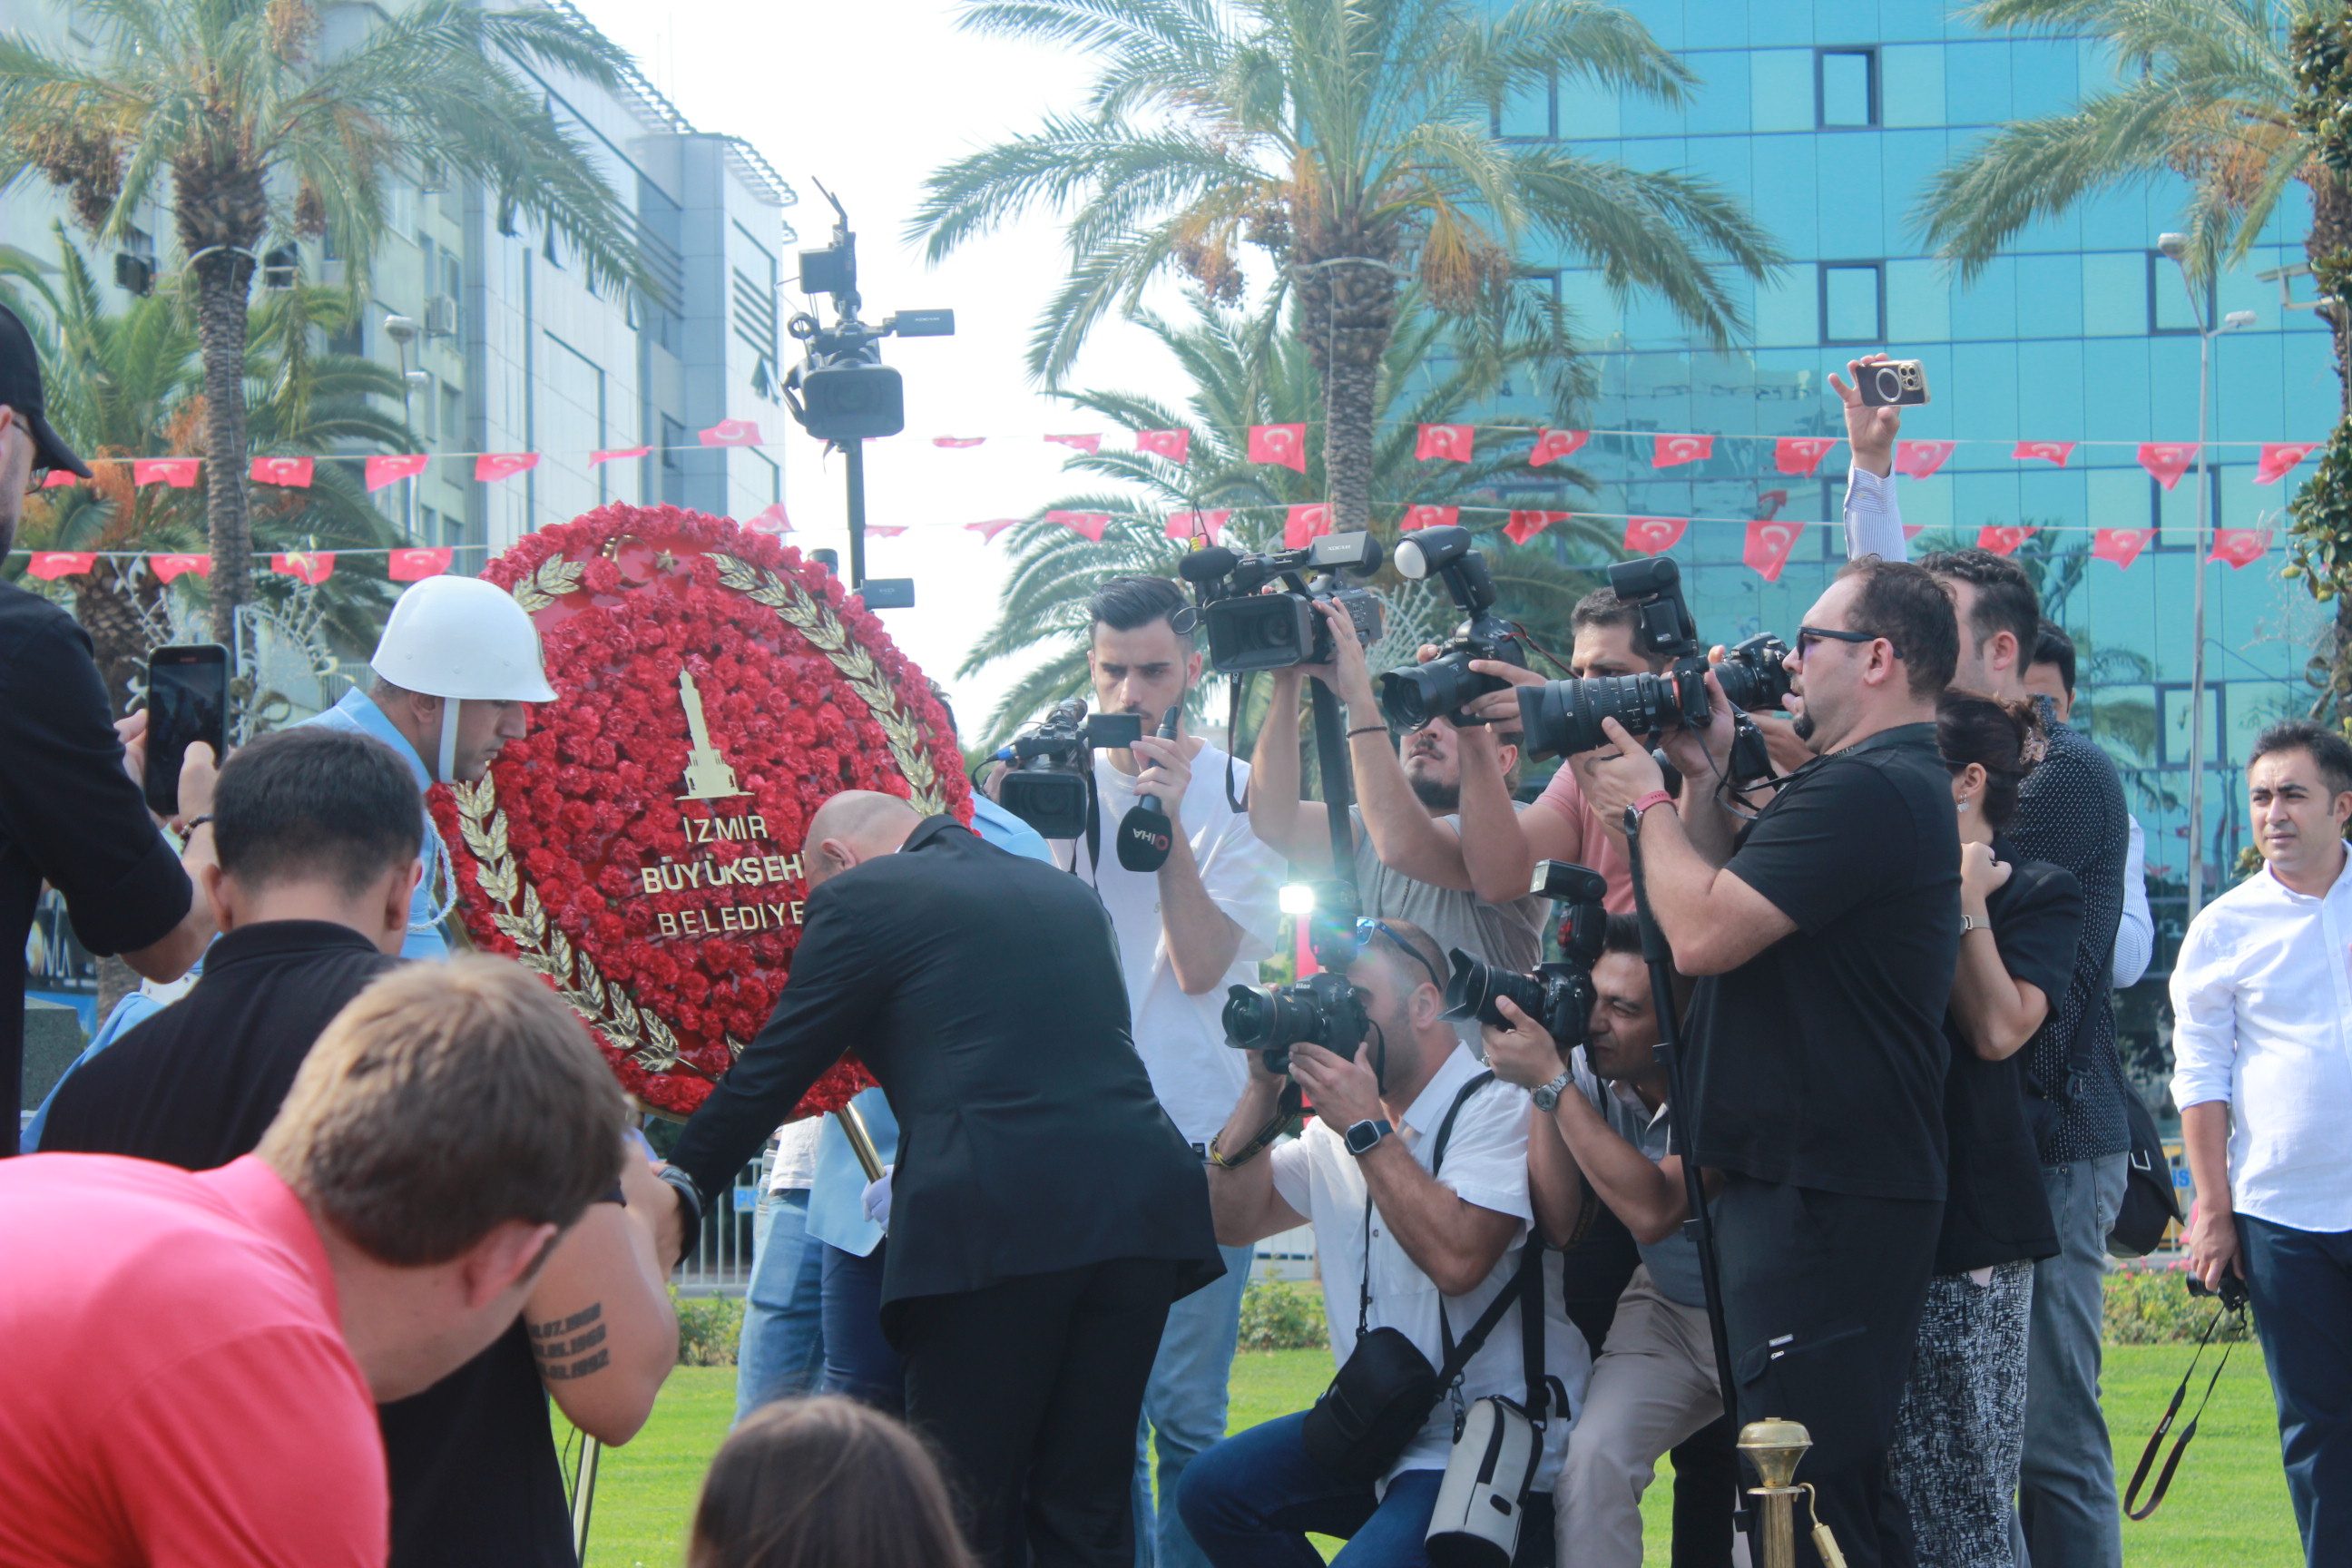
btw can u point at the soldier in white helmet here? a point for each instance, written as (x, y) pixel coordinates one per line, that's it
(457, 663)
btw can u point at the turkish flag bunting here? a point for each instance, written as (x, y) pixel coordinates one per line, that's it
(1668, 451)
(2048, 451)
(1311, 520)
(503, 465)
(1450, 442)
(1176, 445)
(1089, 444)
(885, 530)
(2278, 459)
(1912, 530)
(382, 471)
(1198, 524)
(1651, 535)
(1553, 445)
(1769, 546)
(1090, 524)
(2003, 541)
(2120, 545)
(58, 477)
(1917, 459)
(414, 565)
(2241, 547)
(770, 519)
(731, 433)
(292, 473)
(1802, 455)
(1283, 443)
(180, 473)
(1417, 517)
(957, 441)
(1524, 525)
(49, 565)
(2165, 461)
(168, 567)
(311, 566)
(989, 531)
(616, 454)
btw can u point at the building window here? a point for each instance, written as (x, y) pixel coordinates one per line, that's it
(2169, 306)
(1846, 88)
(1853, 302)
(453, 415)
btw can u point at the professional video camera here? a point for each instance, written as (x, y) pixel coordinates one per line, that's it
(1414, 694)
(1250, 631)
(1557, 995)
(1048, 785)
(1270, 1019)
(1561, 717)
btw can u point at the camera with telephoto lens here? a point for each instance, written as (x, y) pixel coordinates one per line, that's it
(1249, 630)
(1269, 1019)
(1414, 694)
(1052, 763)
(1559, 995)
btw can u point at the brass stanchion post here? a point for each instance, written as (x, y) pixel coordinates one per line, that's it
(861, 1142)
(1774, 1447)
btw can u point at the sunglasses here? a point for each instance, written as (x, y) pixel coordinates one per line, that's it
(1808, 635)
(1369, 928)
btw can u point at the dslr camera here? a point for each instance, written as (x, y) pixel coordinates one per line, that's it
(1561, 717)
(1413, 695)
(1049, 784)
(1557, 995)
(1249, 630)
(1270, 1019)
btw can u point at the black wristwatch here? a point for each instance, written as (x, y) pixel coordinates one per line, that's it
(1365, 1136)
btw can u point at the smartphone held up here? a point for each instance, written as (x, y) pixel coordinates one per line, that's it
(187, 701)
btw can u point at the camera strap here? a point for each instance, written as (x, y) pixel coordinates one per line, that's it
(1236, 685)
(1331, 759)
(2156, 1438)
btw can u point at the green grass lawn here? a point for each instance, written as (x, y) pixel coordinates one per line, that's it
(2228, 1508)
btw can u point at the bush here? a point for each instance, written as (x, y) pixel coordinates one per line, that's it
(2153, 1306)
(707, 1328)
(1282, 1315)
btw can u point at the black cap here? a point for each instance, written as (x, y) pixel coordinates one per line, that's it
(20, 389)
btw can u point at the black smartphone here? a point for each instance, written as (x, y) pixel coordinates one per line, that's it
(187, 701)
(1892, 383)
(1113, 732)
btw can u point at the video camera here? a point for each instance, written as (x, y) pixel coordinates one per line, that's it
(1412, 695)
(1559, 995)
(1048, 785)
(1248, 630)
(1561, 717)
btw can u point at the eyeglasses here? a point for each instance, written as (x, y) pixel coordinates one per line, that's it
(1808, 635)
(1368, 928)
(36, 481)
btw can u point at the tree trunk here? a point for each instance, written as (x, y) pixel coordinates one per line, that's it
(2328, 246)
(222, 280)
(1347, 316)
(109, 611)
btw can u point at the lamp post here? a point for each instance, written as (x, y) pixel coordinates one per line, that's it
(402, 331)
(2176, 247)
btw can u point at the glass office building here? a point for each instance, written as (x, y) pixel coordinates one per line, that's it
(1827, 121)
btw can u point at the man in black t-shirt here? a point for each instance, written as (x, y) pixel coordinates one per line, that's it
(1825, 932)
(319, 831)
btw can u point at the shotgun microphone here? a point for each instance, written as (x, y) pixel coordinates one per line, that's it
(1145, 834)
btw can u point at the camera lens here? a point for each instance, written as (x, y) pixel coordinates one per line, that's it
(1562, 718)
(1053, 803)
(1259, 1018)
(1752, 675)
(1471, 991)
(1412, 696)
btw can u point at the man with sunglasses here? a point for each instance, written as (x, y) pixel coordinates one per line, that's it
(1825, 932)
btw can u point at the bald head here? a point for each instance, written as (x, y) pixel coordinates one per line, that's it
(853, 827)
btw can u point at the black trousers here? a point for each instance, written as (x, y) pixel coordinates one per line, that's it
(1822, 1296)
(1030, 1389)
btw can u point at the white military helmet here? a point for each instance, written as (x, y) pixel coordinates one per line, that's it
(461, 638)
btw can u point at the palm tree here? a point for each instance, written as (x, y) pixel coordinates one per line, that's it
(1353, 141)
(262, 134)
(1244, 371)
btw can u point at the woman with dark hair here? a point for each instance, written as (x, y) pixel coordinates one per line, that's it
(824, 1483)
(1961, 1429)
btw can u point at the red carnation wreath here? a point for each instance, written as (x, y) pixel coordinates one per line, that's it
(641, 847)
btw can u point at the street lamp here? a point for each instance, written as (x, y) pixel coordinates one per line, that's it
(402, 331)
(2176, 247)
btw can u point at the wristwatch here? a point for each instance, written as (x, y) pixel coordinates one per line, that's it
(1970, 923)
(1365, 1136)
(1547, 1096)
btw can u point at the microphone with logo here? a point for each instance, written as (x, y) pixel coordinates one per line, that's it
(1145, 834)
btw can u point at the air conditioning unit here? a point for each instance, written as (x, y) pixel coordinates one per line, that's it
(281, 269)
(135, 273)
(440, 317)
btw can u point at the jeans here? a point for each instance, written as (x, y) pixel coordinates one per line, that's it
(2067, 1514)
(781, 1351)
(1251, 1501)
(2301, 1285)
(1184, 1406)
(858, 1361)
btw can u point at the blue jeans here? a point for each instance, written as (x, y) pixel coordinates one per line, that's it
(2067, 1513)
(2301, 1285)
(1184, 1405)
(1251, 1501)
(781, 1351)
(858, 1362)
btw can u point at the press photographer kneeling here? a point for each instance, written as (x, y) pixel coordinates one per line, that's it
(1414, 1173)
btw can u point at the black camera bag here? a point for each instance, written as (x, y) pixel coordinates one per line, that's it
(2150, 1203)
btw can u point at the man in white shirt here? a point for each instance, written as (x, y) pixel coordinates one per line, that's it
(2262, 1001)
(1186, 932)
(1400, 1244)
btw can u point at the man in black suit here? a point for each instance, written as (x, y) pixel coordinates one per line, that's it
(1044, 1210)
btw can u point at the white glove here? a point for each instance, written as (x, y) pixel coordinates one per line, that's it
(877, 1198)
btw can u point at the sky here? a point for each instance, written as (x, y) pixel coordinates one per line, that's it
(869, 99)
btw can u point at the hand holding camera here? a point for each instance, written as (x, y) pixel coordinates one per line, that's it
(1875, 404)
(1524, 1052)
(1456, 681)
(1612, 781)
(1349, 673)
(1343, 1091)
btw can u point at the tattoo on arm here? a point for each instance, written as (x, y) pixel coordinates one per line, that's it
(560, 1340)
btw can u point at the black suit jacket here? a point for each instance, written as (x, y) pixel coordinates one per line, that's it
(983, 991)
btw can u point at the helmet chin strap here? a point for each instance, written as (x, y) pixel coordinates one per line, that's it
(446, 771)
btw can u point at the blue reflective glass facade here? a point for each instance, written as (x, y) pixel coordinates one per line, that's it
(1828, 121)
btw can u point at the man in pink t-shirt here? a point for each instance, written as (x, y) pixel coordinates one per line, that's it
(190, 1362)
